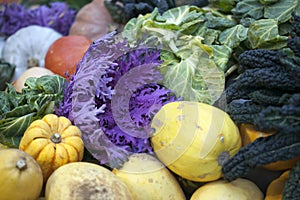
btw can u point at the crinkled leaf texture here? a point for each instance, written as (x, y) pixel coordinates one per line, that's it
(189, 68)
(18, 110)
(112, 97)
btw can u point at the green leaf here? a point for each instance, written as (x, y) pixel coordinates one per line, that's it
(232, 37)
(12, 129)
(196, 77)
(185, 19)
(263, 33)
(222, 54)
(218, 22)
(249, 8)
(280, 11)
(7, 71)
(223, 5)
(37, 99)
(268, 2)
(209, 35)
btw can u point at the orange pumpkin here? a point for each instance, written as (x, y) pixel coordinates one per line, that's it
(275, 188)
(93, 21)
(65, 53)
(249, 133)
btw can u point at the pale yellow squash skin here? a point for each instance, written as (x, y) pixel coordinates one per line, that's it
(21, 177)
(194, 139)
(239, 189)
(147, 178)
(38, 141)
(85, 181)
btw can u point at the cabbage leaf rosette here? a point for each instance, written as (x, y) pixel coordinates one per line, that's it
(113, 96)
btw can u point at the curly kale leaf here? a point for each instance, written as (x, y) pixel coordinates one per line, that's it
(267, 117)
(127, 9)
(291, 189)
(280, 146)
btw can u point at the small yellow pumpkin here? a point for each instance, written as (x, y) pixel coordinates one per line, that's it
(52, 141)
(194, 139)
(21, 177)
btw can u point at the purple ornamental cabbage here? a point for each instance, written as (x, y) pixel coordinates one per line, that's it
(12, 17)
(112, 98)
(15, 16)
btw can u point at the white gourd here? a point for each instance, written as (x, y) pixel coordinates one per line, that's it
(28, 45)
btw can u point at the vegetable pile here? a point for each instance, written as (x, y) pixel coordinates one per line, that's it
(194, 97)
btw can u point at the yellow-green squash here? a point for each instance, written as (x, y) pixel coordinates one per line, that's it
(148, 179)
(194, 139)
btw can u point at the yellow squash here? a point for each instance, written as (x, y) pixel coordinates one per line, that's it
(147, 178)
(194, 139)
(239, 189)
(21, 177)
(52, 141)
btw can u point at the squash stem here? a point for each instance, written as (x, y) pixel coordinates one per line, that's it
(21, 164)
(33, 62)
(56, 138)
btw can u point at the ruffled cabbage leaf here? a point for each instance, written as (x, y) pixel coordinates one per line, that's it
(189, 68)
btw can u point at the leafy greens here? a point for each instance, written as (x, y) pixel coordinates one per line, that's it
(18, 110)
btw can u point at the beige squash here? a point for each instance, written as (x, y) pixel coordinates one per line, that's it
(239, 189)
(85, 181)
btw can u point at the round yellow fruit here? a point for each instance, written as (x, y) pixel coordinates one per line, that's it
(21, 177)
(239, 189)
(147, 178)
(85, 181)
(194, 139)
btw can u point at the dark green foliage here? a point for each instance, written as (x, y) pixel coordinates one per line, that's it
(295, 26)
(285, 117)
(280, 146)
(275, 78)
(294, 43)
(258, 58)
(123, 10)
(6, 72)
(291, 189)
(267, 97)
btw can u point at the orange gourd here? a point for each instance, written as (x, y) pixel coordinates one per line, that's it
(65, 53)
(275, 188)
